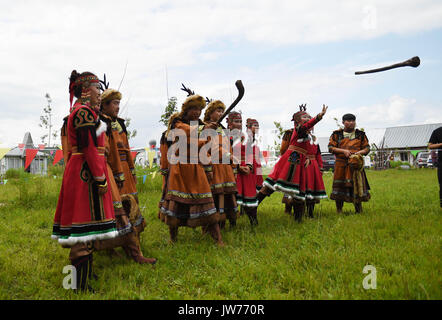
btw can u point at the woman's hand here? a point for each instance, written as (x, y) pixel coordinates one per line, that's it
(324, 110)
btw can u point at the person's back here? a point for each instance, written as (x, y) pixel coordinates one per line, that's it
(435, 143)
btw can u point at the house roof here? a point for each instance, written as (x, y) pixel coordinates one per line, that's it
(27, 141)
(409, 136)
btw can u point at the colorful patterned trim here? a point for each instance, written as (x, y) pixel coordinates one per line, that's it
(223, 185)
(189, 195)
(85, 232)
(246, 202)
(208, 168)
(118, 204)
(125, 230)
(189, 216)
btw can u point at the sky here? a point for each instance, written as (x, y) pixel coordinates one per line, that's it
(285, 52)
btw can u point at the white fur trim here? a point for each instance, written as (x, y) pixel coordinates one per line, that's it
(102, 127)
(73, 240)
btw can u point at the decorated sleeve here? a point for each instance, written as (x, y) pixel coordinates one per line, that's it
(94, 160)
(130, 159)
(114, 159)
(308, 125)
(84, 124)
(364, 143)
(333, 142)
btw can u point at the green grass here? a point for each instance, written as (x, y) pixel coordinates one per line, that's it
(322, 258)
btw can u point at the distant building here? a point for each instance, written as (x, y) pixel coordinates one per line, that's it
(16, 158)
(400, 142)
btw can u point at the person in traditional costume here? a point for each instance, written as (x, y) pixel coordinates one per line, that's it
(297, 172)
(245, 170)
(116, 140)
(222, 179)
(350, 182)
(434, 144)
(187, 198)
(125, 176)
(84, 212)
(252, 130)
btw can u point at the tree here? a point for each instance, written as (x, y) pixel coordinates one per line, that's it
(168, 111)
(279, 133)
(46, 122)
(130, 133)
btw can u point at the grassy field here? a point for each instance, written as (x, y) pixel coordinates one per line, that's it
(399, 233)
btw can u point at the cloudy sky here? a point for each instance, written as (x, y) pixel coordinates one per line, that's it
(285, 52)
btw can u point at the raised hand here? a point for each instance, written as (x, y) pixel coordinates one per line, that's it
(324, 110)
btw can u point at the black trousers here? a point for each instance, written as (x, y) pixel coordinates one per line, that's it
(439, 177)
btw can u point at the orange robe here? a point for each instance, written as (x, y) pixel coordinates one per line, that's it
(343, 175)
(223, 182)
(123, 169)
(187, 198)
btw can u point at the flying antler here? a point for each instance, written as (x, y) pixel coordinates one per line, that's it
(189, 92)
(413, 62)
(302, 107)
(208, 100)
(240, 88)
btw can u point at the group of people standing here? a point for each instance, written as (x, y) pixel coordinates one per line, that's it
(98, 206)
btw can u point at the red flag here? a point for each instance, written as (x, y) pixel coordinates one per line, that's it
(58, 156)
(134, 154)
(21, 146)
(265, 154)
(41, 146)
(30, 155)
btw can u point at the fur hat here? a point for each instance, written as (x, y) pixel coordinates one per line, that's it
(110, 94)
(193, 101)
(212, 106)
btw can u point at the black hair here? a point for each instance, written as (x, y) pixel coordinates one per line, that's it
(348, 117)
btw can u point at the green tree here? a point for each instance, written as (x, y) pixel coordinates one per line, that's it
(46, 122)
(279, 133)
(169, 110)
(130, 133)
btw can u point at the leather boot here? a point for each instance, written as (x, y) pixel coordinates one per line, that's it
(310, 209)
(173, 231)
(133, 250)
(252, 214)
(216, 234)
(298, 209)
(288, 209)
(339, 206)
(358, 207)
(83, 267)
